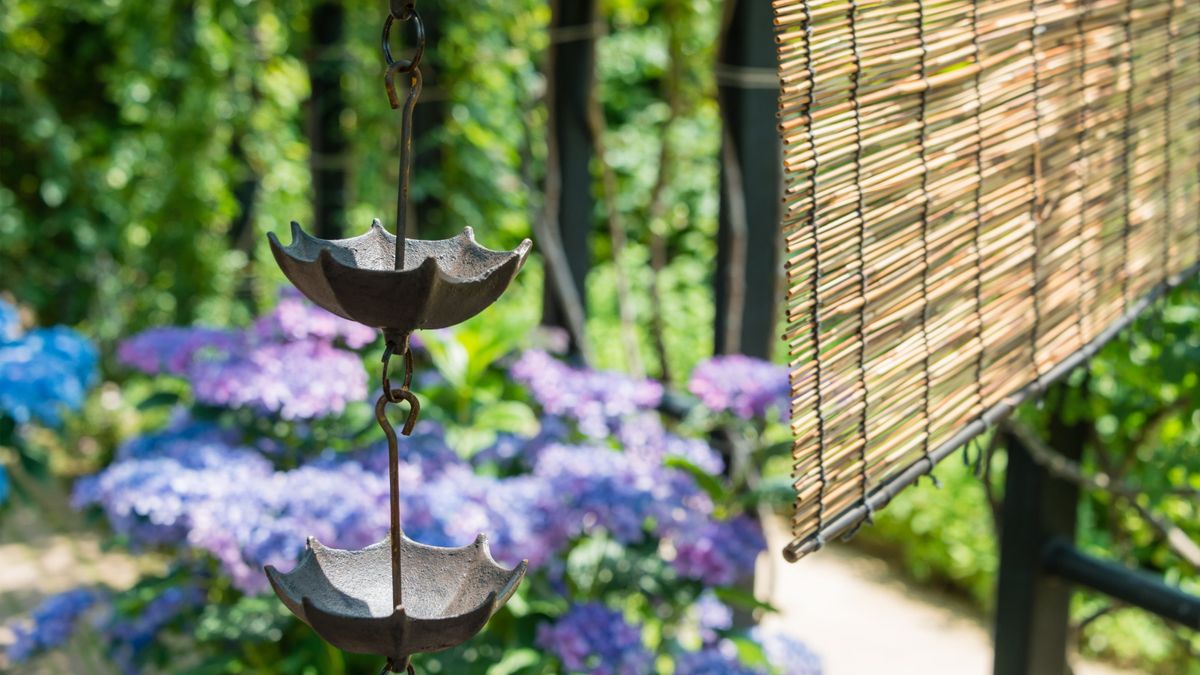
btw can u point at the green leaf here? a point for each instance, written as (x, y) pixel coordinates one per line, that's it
(512, 417)
(159, 399)
(741, 598)
(515, 661)
(707, 482)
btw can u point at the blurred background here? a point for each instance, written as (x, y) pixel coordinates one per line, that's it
(171, 418)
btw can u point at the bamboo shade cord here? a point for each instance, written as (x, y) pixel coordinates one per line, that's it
(978, 195)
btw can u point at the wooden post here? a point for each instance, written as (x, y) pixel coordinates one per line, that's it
(1032, 604)
(572, 57)
(327, 140)
(748, 268)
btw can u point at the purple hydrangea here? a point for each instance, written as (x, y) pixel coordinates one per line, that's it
(592, 639)
(744, 386)
(786, 654)
(285, 365)
(716, 552)
(296, 380)
(170, 350)
(643, 434)
(295, 319)
(594, 399)
(51, 624)
(716, 659)
(598, 487)
(43, 372)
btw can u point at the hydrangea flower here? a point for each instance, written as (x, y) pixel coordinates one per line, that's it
(296, 380)
(295, 318)
(594, 399)
(10, 323)
(3, 485)
(44, 371)
(715, 552)
(51, 624)
(170, 350)
(129, 636)
(598, 487)
(786, 654)
(742, 385)
(716, 659)
(285, 364)
(712, 615)
(592, 639)
(644, 434)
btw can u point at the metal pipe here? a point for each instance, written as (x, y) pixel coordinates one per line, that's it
(1131, 586)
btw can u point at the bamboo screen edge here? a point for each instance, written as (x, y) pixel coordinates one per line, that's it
(978, 195)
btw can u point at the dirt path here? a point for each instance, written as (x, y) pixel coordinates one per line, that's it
(863, 619)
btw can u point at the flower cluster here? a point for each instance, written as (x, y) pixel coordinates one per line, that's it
(787, 654)
(295, 318)
(591, 638)
(51, 625)
(742, 385)
(712, 615)
(716, 659)
(593, 399)
(128, 636)
(42, 371)
(286, 364)
(189, 485)
(717, 552)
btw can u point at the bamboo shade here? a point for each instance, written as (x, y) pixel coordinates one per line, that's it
(978, 195)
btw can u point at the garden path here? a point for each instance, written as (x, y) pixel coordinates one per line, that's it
(863, 618)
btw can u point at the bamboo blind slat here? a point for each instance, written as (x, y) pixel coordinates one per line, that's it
(979, 193)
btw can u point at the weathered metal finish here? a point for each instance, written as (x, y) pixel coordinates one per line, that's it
(450, 593)
(398, 597)
(443, 283)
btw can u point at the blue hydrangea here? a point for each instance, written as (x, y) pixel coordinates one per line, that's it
(52, 623)
(3, 485)
(10, 323)
(129, 636)
(712, 615)
(742, 385)
(786, 654)
(593, 639)
(42, 372)
(716, 659)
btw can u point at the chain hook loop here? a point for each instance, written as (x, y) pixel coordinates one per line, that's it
(405, 65)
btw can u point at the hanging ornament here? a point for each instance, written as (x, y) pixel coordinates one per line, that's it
(398, 597)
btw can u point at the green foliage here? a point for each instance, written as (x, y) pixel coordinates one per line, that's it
(1141, 396)
(128, 127)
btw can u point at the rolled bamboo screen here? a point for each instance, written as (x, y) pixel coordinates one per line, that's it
(979, 194)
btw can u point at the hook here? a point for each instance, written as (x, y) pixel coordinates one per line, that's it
(396, 396)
